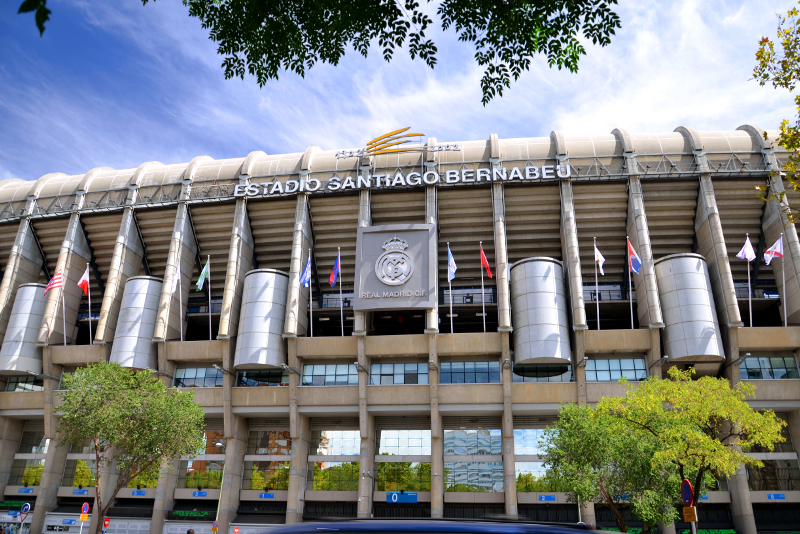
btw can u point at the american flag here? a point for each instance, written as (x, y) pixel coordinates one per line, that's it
(54, 282)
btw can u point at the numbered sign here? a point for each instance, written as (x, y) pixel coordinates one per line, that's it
(404, 497)
(85, 508)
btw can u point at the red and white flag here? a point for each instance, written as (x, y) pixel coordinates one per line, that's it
(54, 282)
(775, 251)
(83, 283)
(485, 263)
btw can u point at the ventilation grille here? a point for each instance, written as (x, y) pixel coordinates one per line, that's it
(334, 423)
(403, 423)
(533, 421)
(263, 424)
(472, 423)
(33, 426)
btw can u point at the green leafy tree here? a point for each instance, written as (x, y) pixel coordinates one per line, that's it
(780, 66)
(342, 477)
(701, 426)
(32, 476)
(596, 458)
(132, 419)
(84, 476)
(264, 38)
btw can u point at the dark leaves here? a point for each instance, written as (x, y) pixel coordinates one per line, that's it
(42, 13)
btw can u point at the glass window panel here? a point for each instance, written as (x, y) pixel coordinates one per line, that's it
(190, 373)
(591, 376)
(590, 365)
(613, 365)
(446, 378)
(626, 364)
(494, 377)
(602, 365)
(457, 367)
(603, 376)
(616, 375)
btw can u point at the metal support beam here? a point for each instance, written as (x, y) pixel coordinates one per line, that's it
(250, 224)
(92, 261)
(45, 270)
(760, 249)
(197, 258)
(145, 263)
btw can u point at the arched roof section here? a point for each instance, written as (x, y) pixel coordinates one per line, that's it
(624, 139)
(692, 136)
(557, 138)
(758, 134)
(308, 158)
(250, 160)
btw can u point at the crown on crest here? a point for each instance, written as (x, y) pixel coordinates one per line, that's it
(395, 243)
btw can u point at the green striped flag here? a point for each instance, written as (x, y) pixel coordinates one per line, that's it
(205, 274)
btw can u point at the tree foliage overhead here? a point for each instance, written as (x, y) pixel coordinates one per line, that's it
(265, 37)
(133, 421)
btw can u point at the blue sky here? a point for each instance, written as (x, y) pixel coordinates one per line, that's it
(117, 84)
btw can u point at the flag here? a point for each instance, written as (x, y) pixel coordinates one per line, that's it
(599, 259)
(54, 282)
(337, 269)
(305, 278)
(83, 283)
(204, 275)
(176, 278)
(635, 262)
(747, 252)
(485, 263)
(775, 250)
(451, 265)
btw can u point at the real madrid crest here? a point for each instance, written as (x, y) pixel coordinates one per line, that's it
(394, 267)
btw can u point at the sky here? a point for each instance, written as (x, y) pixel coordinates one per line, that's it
(117, 84)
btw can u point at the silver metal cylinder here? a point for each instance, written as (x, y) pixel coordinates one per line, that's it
(539, 312)
(260, 341)
(691, 330)
(19, 352)
(133, 341)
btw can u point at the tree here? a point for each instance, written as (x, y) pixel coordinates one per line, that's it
(701, 426)
(595, 458)
(781, 68)
(263, 38)
(134, 422)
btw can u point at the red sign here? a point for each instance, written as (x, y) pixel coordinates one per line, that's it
(235, 530)
(106, 522)
(85, 508)
(687, 493)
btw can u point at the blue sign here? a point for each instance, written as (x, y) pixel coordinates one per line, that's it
(776, 496)
(548, 498)
(266, 495)
(404, 497)
(199, 494)
(703, 497)
(25, 490)
(687, 492)
(68, 521)
(85, 508)
(26, 508)
(80, 492)
(13, 513)
(138, 493)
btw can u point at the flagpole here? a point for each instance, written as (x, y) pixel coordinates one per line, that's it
(749, 289)
(341, 300)
(450, 286)
(483, 294)
(180, 296)
(596, 287)
(783, 273)
(208, 275)
(630, 275)
(89, 289)
(310, 298)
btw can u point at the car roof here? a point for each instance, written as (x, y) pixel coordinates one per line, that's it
(427, 525)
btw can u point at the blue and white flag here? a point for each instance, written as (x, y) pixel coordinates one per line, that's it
(451, 265)
(635, 260)
(305, 278)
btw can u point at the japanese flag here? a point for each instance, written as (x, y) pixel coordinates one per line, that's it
(83, 283)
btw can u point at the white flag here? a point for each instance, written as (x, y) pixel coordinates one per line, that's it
(775, 251)
(599, 259)
(747, 252)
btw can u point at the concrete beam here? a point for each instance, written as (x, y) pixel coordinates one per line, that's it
(297, 297)
(500, 242)
(648, 305)
(571, 255)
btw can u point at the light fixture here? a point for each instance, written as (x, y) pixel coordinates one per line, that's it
(290, 369)
(324, 319)
(158, 373)
(221, 370)
(480, 315)
(360, 367)
(432, 366)
(659, 362)
(582, 363)
(739, 361)
(452, 315)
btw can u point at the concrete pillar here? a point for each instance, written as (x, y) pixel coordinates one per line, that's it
(579, 348)
(793, 418)
(125, 263)
(300, 430)
(165, 495)
(10, 436)
(297, 300)
(50, 385)
(360, 318)
(240, 261)
(648, 305)
(235, 449)
(431, 217)
(740, 503)
(51, 479)
(500, 243)
(775, 221)
(23, 267)
(437, 434)
(72, 260)
(571, 255)
(366, 426)
(654, 354)
(509, 463)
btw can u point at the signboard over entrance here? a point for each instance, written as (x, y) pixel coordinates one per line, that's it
(395, 268)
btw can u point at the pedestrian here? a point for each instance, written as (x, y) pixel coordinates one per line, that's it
(190, 531)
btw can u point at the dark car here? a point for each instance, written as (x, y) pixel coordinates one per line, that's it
(429, 526)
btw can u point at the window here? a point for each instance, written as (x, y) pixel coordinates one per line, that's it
(615, 368)
(533, 477)
(202, 377)
(405, 476)
(80, 473)
(402, 442)
(269, 442)
(469, 441)
(776, 475)
(336, 442)
(25, 383)
(333, 476)
(213, 442)
(26, 473)
(398, 373)
(768, 368)
(266, 476)
(330, 375)
(273, 377)
(33, 443)
(469, 372)
(541, 373)
(473, 476)
(200, 474)
(526, 441)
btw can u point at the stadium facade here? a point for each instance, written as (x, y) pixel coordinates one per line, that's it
(400, 404)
